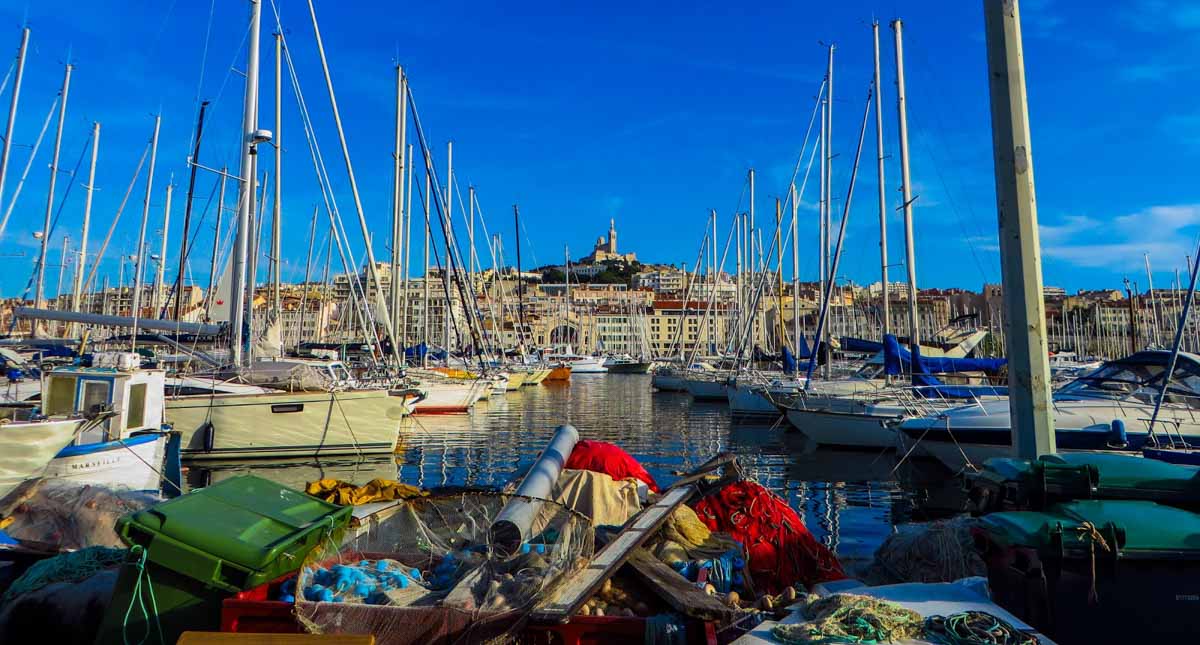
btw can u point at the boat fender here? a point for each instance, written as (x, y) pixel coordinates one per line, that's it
(1117, 438)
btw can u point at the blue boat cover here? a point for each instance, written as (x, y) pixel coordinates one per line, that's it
(804, 351)
(860, 346)
(789, 361)
(896, 360)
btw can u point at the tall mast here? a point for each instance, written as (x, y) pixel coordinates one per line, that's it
(425, 308)
(407, 246)
(216, 249)
(398, 242)
(906, 190)
(782, 338)
(822, 230)
(471, 239)
(62, 116)
(828, 153)
(140, 250)
(795, 269)
(187, 210)
(520, 282)
(162, 255)
(241, 247)
(276, 207)
(567, 320)
(62, 267)
(312, 238)
(750, 254)
(449, 242)
(738, 225)
(76, 291)
(12, 110)
(883, 252)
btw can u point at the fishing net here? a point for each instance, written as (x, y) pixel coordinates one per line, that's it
(934, 552)
(68, 567)
(425, 571)
(851, 618)
(975, 628)
(63, 515)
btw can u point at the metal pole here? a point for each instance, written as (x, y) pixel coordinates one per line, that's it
(277, 207)
(829, 167)
(140, 250)
(187, 210)
(471, 238)
(782, 339)
(449, 243)
(407, 244)
(62, 267)
(795, 270)
(62, 117)
(162, 256)
(398, 243)
(822, 207)
(77, 291)
(883, 252)
(1020, 249)
(906, 189)
(241, 247)
(12, 110)
(312, 238)
(216, 249)
(425, 275)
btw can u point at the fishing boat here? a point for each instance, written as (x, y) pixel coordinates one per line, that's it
(1107, 410)
(28, 445)
(131, 448)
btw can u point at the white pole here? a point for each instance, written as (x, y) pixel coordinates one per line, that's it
(906, 189)
(407, 244)
(140, 250)
(12, 110)
(795, 269)
(425, 278)
(883, 252)
(76, 292)
(62, 116)
(237, 318)
(398, 242)
(162, 256)
(276, 209)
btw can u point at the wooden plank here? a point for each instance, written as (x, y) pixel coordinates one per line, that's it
(677, 591)
(569, 597)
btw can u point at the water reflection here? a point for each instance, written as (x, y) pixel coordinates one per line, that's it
(849, 500)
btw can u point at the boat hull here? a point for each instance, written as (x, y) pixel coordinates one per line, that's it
(628, 368)
(706, 390)
(451, 397)
(967, 449)
(287, 424)
(26, 449)
(558, 375)
(842, 429)
(748, 401)
(668, 382)
(133, 463)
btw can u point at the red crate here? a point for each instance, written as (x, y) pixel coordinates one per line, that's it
(252, 611)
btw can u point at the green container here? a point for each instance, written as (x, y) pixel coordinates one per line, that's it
(1017, 484)
(206, 545)
(1052, 570)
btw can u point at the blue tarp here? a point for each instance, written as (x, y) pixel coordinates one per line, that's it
(896, 360)
(789, 361)
(860, 346)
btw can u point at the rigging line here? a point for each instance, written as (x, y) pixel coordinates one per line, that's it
(116, 218)
(7, 76)
(800, 157)
(450, 320)
(188, 252)
(212, 9)
(345, 253)
(48, 234)
(28, 164)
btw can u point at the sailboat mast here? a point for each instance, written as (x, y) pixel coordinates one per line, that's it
(520, 282)
(140, 250)
(39, 299)
(828, 153)
(407, 246)
(398, 242)
(425, 307)
(241, 247)
(276, 207)
(216, 248)
(906, 190)
(312, 238)
(822, 229)
(795, 270)
(782, 337)
(883, 252)
(194, 162)
(447, 268)
(81, 263)
(160, 274)
(12, 110)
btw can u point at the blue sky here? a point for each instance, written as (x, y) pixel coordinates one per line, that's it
(649, 113)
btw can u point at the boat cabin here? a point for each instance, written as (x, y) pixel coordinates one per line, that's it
(117, 384)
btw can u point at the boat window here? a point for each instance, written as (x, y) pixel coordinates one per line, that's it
(137, 407)
(61, 398)
(95, 396)
(188, 390)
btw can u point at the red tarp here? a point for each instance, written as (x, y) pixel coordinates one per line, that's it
(610, 459)
(780, 550)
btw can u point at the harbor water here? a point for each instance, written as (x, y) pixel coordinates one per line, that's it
(849, 500)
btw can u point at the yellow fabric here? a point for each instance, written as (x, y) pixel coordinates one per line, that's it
(598, 496)
(347, 494)
(684, 528)
(4, 523)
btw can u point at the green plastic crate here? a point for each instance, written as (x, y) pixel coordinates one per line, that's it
(211, 543)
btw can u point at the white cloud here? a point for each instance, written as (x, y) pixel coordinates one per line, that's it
(1165, 232)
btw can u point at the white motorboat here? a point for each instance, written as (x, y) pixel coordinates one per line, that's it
(1106, 410)
(579, 363)
(445, 395)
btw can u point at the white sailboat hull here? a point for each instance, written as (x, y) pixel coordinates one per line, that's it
(133, 463)
(843, 429)
(451, 397)
(287, 424)
(588, 366)
(26, 448)
(747, 401)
